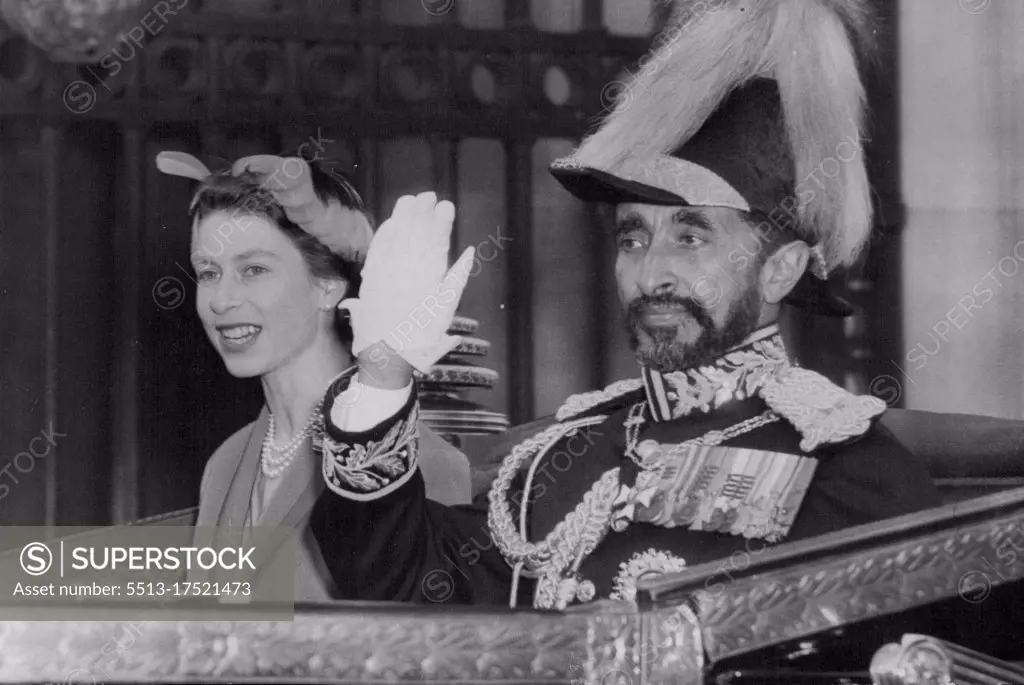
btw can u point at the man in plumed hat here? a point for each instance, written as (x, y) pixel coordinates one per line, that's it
(727, 203)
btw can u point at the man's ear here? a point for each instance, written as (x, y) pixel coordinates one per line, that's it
(783, 270)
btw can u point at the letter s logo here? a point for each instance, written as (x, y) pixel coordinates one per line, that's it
(36, 558)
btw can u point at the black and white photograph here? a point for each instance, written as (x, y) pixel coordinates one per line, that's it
(539, 342)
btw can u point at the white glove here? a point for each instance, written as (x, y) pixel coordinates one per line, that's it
(406, 300)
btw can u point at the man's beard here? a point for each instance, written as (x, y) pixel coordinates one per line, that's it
(664, 352)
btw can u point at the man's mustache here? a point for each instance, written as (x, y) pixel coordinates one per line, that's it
(645, 303)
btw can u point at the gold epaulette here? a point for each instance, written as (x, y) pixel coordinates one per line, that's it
(584, 401)
(823, 412)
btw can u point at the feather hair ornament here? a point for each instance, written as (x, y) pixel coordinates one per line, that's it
(181, 164)
(711, 48)
(345, 231)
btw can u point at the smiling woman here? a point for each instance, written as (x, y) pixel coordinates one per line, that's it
(263, 284)
(273, 258)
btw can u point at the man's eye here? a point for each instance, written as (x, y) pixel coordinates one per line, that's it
(692, 240)
(631, 242)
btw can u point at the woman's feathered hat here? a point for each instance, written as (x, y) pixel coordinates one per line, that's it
(749, 104)
(345, 231)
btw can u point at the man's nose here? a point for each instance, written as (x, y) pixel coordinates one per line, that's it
(656, 275)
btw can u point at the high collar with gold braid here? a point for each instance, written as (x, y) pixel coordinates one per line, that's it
(822, 412)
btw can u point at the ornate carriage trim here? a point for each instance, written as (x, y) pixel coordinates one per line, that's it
(859, 574)
(584, 401)
(371, 470)
(640, 565)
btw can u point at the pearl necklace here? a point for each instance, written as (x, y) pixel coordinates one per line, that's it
(273, 459)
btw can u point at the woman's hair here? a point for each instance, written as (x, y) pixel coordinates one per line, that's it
(223, 191)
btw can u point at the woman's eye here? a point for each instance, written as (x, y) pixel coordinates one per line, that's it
(206, 275)
(253, 270)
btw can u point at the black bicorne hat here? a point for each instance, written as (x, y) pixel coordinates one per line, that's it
(755, 105)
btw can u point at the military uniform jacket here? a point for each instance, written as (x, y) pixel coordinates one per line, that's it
(644, 477)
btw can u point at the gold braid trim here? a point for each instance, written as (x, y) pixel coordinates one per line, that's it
(572, 539)
(820, 410)
(734, 376)
(581, 402)
(376, 468)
